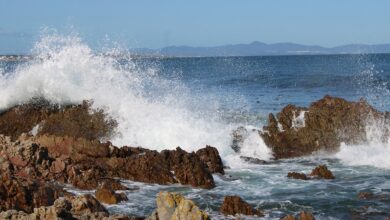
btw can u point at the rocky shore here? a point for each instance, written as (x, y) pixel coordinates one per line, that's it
(43, 147)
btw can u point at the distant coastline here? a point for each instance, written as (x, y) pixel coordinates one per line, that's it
(239, 50)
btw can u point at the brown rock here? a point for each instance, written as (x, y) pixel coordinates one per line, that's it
(86, 204)
(298, 131)
(306, 216)
(322, 172)
(210, 156)
(365, 195)
(71, 120)
(57, 166)
(233, 205)
(27, 195)
(107, 195)
(295, 175)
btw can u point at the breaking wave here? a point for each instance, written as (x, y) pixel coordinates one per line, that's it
(152, 111)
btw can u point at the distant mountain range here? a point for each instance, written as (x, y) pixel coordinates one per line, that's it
(259, 48)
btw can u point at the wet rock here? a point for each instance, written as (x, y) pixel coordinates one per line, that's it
(210, 156)
(188, 168)
(71, 120)
(302, 216)
(253, 160)
(322, 172)
(175, 206)
(233, 205)
(86, 204)
(238, 136)
(305, 216)
(105, 194)
(366, 195)
(295, 175)
(298, 131)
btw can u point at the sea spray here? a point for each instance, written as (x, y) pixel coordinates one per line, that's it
(151, 111)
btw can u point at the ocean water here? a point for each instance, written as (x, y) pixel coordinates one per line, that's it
(162, 103)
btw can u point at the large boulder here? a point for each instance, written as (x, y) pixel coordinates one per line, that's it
(105, 194)
(172, 206)
(210, 156)
(298, 131)
(233, 205)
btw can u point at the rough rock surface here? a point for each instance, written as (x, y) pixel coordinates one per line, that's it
(295, 175)
(71, 120)
(302, 216)
(172, 206)
(73, 207)
(298, 131)
(233, 205)
(210, 156)
(105, 194)
(322, 172)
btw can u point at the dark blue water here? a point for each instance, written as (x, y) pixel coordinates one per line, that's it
(269, 83)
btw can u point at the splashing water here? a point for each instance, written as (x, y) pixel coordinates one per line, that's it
(152, 112)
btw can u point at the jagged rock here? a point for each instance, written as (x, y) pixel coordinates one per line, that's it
(74, 207)
(24, 195)
(295, 175)
(85, 205)
(298, 131)
(105, 194)
(210, 156)
(323, 172)
(188, 168)
(71, 120)
(253, 160)
(233, 205)
(172, 206)
(305, 216)
(302, 216)
(238, 137)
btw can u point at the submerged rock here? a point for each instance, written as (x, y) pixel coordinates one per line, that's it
(233, 205)
(322, 172)
(302, 216)
(298, 131)
(253, 160)
(295, 175)
(172, 206)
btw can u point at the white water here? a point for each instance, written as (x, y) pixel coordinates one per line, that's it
(152, 112)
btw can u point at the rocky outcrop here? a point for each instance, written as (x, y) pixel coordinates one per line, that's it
(172, 206)
(302, 216)
(319, 172)
(42, 117)
(295, 175)
(74, 207)
(233, 205)
(322, 172)
(210, 156)
(105, 194)
(298, 131)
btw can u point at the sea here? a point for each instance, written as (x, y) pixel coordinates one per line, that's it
(166, 102)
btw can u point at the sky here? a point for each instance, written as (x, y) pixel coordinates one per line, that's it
(161, 23)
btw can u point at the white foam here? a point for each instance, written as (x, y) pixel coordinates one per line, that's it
(152, 112)
(375, 153)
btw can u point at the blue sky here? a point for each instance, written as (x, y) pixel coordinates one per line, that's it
(154, 24)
